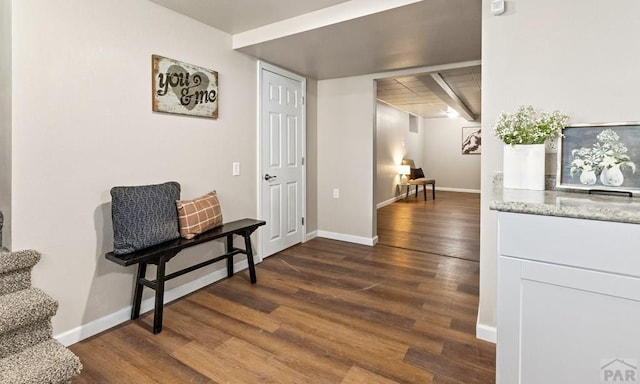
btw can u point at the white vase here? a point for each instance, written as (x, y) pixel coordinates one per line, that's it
(612, 177)
(523, 167)
(588, 177)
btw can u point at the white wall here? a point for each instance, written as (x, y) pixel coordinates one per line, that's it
(394, 142)
(82, 123)
(443, 158)
(579, 57)
(346, 111)
(5, 118)
(346, 153)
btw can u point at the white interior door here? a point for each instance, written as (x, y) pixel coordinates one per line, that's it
(282, 159)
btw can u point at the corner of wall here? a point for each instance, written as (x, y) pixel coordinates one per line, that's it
(5, 119)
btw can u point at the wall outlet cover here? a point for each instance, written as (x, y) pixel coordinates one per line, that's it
(551, 145)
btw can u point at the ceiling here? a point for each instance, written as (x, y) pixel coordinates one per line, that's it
(427, 96)
(324, 39)
(235, 16)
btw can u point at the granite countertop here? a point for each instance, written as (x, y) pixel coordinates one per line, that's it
(577, 204)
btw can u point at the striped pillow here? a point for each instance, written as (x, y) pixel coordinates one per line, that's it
(199, 215)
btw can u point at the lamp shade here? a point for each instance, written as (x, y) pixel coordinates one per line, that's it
(404, 170)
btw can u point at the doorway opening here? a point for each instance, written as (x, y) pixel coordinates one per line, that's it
(423, 117)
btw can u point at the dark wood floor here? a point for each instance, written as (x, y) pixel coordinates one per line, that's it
(448, 225)
(322, 312)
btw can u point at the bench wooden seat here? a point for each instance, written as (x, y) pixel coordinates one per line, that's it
(160, 254)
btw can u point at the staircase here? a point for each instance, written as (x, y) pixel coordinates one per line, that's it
(28, 353)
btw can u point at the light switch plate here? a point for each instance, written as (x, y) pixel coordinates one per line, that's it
(236, 169)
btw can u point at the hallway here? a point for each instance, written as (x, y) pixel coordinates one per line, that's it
(447, 226)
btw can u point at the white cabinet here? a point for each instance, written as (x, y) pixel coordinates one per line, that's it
(568, 300)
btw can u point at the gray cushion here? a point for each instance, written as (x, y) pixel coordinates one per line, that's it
(144, 215)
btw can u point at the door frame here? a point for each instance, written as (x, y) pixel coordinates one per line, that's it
(264, 66)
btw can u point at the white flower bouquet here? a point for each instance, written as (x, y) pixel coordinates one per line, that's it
(529, 126)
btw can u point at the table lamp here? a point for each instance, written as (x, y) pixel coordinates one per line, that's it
(404, 171)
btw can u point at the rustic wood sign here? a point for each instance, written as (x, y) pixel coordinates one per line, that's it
(184, 88)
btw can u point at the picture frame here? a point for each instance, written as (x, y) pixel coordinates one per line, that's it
(471, 140)
(600, 157)
(183, 89)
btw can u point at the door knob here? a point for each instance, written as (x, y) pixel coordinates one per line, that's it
(269, 177)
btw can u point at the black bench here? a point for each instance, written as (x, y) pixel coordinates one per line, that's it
(160, 254)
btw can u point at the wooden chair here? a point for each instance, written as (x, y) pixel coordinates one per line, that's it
(419, 180)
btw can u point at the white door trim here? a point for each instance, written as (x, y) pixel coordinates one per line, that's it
(264, 66)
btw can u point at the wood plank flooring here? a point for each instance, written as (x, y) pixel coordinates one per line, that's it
(448, 225)
(322, 312)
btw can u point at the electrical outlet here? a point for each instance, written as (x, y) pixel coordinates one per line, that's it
(336, 193)
(551, 145)
(236, 169)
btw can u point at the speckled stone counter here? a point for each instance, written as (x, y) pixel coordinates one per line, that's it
(566, 204)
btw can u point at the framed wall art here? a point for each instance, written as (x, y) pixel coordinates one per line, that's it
(600, 157)
(183, 88)
(471, 140)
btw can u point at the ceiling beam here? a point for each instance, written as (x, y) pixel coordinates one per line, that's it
(339, 13)
(437, 85)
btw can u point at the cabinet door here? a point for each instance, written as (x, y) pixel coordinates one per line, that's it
(559, 324)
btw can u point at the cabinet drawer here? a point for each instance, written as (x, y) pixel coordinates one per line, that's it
(590, 244)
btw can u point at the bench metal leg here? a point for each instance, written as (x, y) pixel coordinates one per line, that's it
(424, 190)
(433, 190)
(249, 249)
(137, 293)
(230, 257)
(157, 313)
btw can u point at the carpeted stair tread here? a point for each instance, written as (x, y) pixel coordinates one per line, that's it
(47, 362)
(15, 281)
(12, 261)
(24, 307)
(25, 337)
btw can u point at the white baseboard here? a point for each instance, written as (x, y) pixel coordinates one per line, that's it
(102, 324)
(486, 333)
(387, 202)
(348, 238)
(458, 190)
(311, 235)
(401, 196)
(420, 188)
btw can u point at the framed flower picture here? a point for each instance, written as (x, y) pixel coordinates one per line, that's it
(600, 157)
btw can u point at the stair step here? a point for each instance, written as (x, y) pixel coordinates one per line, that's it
(13, 261)
(15, 281)
(25, 337)
(22, 308)
(47, 362)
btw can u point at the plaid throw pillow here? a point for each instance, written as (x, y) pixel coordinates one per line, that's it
(199, 215)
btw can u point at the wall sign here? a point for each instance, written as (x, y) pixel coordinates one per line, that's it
(183, 88)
